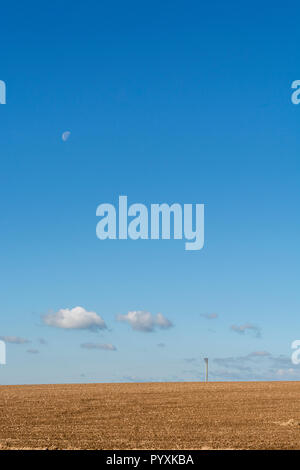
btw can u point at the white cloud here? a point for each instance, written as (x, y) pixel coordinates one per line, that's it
(145, 321)
(260, 354)
(210, 316)
(33, 351)
(162, 321)
(257, 365)
(287, 372)
(105, 347)
(14, 339)
(241, 329)
(75, 318)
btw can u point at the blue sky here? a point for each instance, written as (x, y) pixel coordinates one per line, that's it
(166, 102)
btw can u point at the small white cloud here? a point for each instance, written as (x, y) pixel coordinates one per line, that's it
(14, 339)
(283, 372)
(210, 316)
(145, 321)
(241, 329)
(75, 318)
(105, 347)
(33, 351)
(260, 354)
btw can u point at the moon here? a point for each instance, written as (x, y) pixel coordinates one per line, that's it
(65, 135)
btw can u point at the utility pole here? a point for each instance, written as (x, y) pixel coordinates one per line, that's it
(206, 369)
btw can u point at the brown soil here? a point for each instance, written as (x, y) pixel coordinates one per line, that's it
(255, 415)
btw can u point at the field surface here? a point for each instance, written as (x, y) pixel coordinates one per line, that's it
(255, 415)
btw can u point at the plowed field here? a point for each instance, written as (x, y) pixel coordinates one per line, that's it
(253, 415)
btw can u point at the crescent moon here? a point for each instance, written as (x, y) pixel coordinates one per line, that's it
(65, 136)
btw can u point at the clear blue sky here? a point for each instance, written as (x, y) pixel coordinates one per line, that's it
(186, 102)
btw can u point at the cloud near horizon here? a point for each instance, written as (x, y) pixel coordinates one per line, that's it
(145, 321)
(14, 340)
(105, 347)
(259, 354)
(76, 318)
(257, 365)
